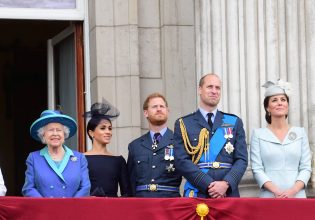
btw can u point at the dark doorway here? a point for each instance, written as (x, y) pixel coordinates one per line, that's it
(23, 86)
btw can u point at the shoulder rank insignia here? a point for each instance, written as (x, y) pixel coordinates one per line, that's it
(226, 125)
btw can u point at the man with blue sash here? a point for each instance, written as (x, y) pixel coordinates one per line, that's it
(210, 147)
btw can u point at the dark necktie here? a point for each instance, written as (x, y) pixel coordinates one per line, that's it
(157, 137)
(209, 120)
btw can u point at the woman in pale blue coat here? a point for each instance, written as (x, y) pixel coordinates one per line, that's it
(55, 170)
(280, 153)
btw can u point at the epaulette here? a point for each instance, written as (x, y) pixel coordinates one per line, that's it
(229, 114)
(185, 116)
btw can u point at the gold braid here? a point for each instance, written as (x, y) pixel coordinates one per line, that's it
(203, 143)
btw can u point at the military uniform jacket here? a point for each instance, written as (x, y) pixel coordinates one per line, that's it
(238, 158)
(148, 166)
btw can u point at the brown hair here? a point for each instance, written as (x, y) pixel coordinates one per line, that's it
(151, 96)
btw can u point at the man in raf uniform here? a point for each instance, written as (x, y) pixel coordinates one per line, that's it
(210, 146)
(151, 157)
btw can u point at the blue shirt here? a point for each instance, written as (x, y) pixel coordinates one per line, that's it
(162, 132)
(205, 114)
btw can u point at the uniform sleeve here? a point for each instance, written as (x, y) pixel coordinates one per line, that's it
(29, 189)
(85, 185)
(131, 170)
(124, 182)
(3, 189)
(240, 158)
(185, 166)
(305, 168)
(256, 162)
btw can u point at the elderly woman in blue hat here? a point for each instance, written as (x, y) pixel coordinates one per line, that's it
(280, 153)
(55, 170)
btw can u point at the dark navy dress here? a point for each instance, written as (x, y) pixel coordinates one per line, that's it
(106, 173)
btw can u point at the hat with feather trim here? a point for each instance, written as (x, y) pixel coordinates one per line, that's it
(103, 109)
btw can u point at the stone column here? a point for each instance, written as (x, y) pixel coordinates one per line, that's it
(249, 42)
(167, 54)
(115, 65)
(310, 68)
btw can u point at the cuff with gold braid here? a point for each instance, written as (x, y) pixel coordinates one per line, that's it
(214, 165)
(157, 187)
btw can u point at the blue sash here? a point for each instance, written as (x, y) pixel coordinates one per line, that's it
(216, 144)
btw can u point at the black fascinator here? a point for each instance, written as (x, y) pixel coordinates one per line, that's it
(103, 109)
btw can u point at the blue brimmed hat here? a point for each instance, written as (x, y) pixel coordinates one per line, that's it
(51, 116)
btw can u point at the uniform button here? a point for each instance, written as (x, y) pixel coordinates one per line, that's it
(152, 180)
(138, 161)
(51, 187)
(153, 166)
(63, 197)
(63, 187)
(154, 154)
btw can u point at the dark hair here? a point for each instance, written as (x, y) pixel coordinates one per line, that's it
(152, 96)
(94, 122)
(266, 102)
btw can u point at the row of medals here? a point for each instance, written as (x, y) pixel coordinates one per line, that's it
(168, 156)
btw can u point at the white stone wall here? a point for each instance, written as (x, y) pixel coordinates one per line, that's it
(249, 42)
(143, 46)
(139, 47)
(167, 54)
(114, 49)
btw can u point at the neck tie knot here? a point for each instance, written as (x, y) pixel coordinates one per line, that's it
(209, 119)
(157, 137)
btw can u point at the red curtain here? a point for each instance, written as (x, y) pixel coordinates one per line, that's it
(13, 208)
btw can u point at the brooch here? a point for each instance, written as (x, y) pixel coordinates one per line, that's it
(74, 159)
(292, 136)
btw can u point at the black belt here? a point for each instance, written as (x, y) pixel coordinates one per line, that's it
(157, 187)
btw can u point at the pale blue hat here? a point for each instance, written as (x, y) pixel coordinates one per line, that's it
(53, 116)
(277, 88)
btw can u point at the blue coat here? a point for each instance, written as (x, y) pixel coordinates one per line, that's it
(282, 163)
(148, 166)
(238, 158)
(44, 179)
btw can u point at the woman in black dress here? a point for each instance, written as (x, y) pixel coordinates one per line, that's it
(106, 171)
